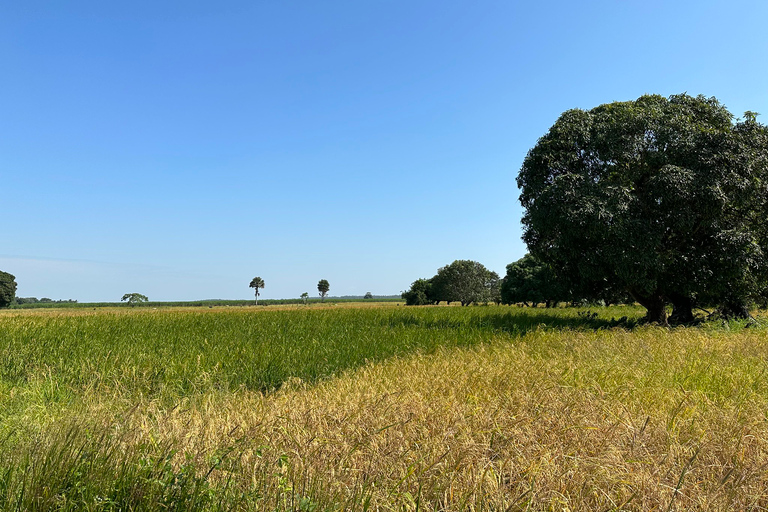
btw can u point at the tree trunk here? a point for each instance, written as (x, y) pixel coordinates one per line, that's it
(682, 309)
(656, 310)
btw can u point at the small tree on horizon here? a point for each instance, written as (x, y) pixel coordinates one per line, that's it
(132, 298)
(256, 283)
(368, 295)
(305, 297)
(323, 287)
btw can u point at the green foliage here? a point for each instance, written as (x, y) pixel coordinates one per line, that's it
(368, 295)
(662, 197)
(323, 287)
(493, 286)
(531, 282)
(134, 298)
(7, 289)
(419, 294)
(464, 281)
(257, 283)
(44, 300)
(70, 468)
(305, 297)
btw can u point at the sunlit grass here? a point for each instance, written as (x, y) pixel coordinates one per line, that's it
(390, 408)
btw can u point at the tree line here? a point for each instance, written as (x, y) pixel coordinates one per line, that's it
(8, 287)
(528, 282)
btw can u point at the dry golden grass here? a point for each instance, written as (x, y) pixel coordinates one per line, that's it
(608, 420)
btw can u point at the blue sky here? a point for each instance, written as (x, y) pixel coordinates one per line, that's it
(178, 149)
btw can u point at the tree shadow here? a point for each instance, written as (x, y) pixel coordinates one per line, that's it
(526, 320)
(520, 321)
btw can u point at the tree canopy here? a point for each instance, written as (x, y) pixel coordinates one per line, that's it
(462, 281)
(662, 197)
(322, 288)
(7, 289)
(256, 284)
(532, 282)
(420, 293)
(134, 298)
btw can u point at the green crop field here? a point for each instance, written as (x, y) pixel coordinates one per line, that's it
(379, 408)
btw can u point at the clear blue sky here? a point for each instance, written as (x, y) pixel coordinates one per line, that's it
(178, 149)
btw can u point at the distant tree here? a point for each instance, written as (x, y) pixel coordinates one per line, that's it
(7, 289)
(257, 283)
(323, 287)
(464, 281)
(305, 297)
(419, 294)
(132, 298)
(368, 295)
(494, 288)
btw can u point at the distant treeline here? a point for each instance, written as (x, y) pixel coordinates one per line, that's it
(44, 300)
(195, 303)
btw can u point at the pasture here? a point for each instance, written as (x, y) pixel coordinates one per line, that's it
(379, 408)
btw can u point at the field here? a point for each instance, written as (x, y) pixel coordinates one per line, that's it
(379, 408)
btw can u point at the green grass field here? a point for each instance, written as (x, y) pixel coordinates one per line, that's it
(379, 408)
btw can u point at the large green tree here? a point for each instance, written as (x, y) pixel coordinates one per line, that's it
(464, 281)
(256, 283)
(7, 289)
(662, 197)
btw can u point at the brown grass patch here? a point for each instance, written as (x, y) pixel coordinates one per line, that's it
(610, 420)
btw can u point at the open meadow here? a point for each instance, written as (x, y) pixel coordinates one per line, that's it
(380, 408)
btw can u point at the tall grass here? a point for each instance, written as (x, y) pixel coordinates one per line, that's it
(172, 354)
(387, 408)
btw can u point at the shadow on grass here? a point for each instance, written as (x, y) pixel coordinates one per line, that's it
(519, 321)
(524, 321)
